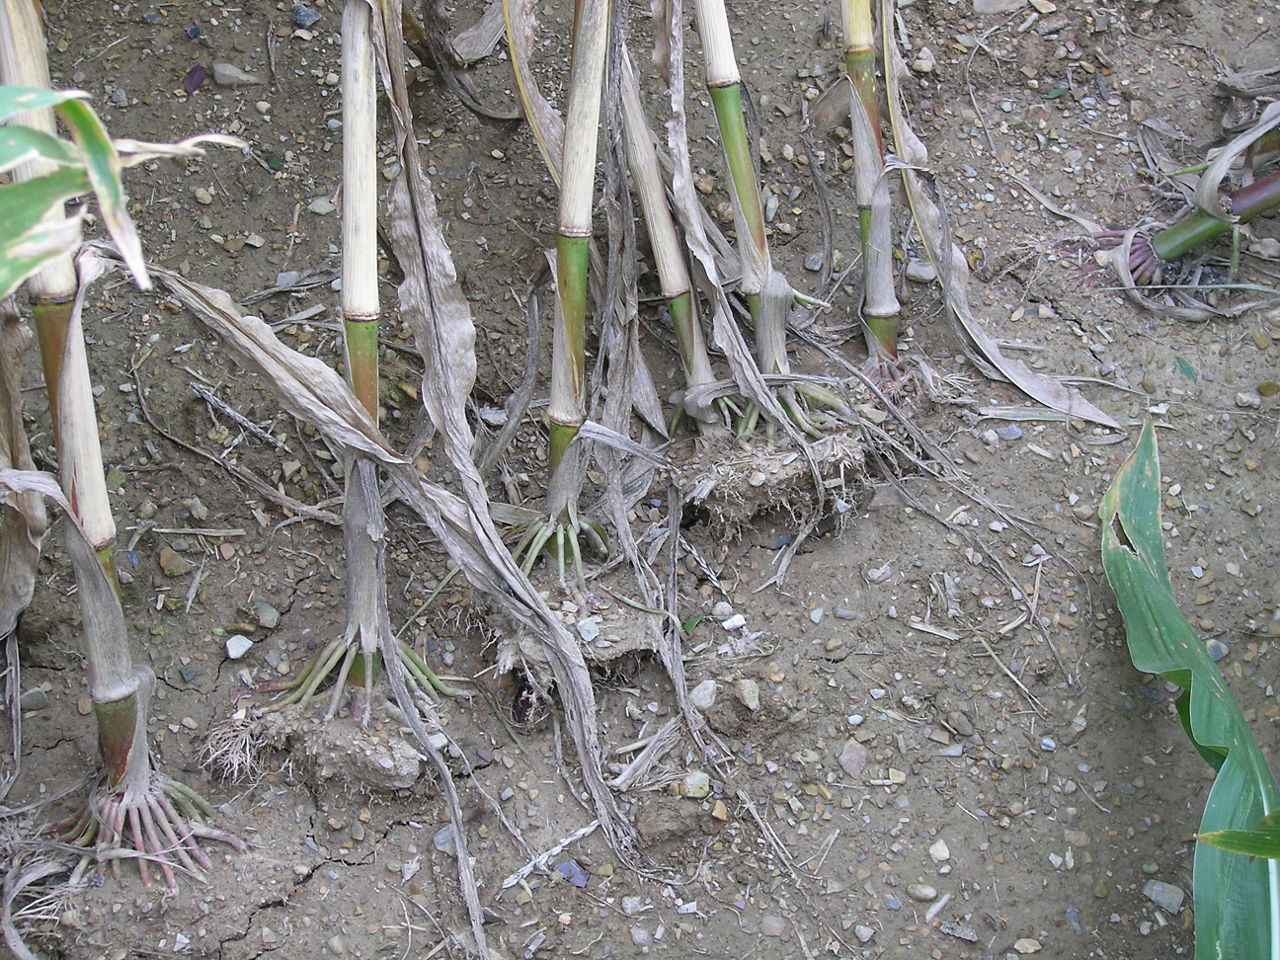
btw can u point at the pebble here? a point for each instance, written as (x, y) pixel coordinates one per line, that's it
(722, 610)
(1166, 896)
(237, 646)
(922, 892)
(1010, 432)
(268, 617)
(1028, 945)
(853, 758)
(588, 628)
(229, 75)
(321, 206)
(939, 851)
(921, 271)
(34, 699)
(203, 196)
(632, 905)
(1248, 400)
(813, 262)
(1150, 867)
(697, 784)
(925, 61)
(1217, 649)
(337, 945)
(735, 622)
(703, 696)
(305, 16)
(771, 926)
(863, 933)
(442, 840)
(748, 693)
(816, 614)
(641, 937)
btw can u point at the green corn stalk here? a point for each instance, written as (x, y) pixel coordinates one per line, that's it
(567, 408)
(360, 310)
(881, 308)
(724, 84)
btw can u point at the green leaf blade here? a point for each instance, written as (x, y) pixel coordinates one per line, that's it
(1237, 899)
(103, 166)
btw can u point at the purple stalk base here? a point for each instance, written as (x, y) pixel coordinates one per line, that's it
(165, 824)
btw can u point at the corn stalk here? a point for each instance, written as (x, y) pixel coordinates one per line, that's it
(567, 409)
(880, 307)
(668, 252)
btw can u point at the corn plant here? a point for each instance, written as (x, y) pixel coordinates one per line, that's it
(356, 655)
(1237, 897)
(880, 307)
(164, 819)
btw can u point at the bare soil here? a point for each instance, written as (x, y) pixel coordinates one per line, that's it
(925, 773)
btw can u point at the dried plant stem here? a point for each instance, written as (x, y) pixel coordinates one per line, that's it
(668, 252)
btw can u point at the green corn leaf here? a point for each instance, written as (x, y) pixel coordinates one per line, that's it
(20, 144)
(1261, 841)
(1237, 898)
(16, 100)
(102, 163)
(27, 241)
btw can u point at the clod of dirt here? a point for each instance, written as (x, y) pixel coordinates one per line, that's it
(735, 488)
(340, 751)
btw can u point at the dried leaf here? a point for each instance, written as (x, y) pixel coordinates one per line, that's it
(948, 259)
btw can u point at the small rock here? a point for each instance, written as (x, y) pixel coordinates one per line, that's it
(720, 811)
(84, 706)
(696, 784)
(588, 628)
(203, 196)
(1048, 744)
(925, 62)
(34, 699)
(922, 892)
(641, 937)
(631, 906)
(863, 933)
(1217, 649)
(1166, 896)
(921, 271)
(853, 758)
(1010, 432)
(269, 935)
(748, 693)
(442, 840)
(321, 206)
(172, 563)
(816, 614)
(237, 646)
(813, 262)
(771, 926)
(263, 107)
(722, 610)
(1248, 400)
(737, 621)
(1077, 838)
(993, 7)
(229, 75)
(305, 16)
(337, 945)
(1028, 945)
(703, 696)
(939, 851)
(1150, 867)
